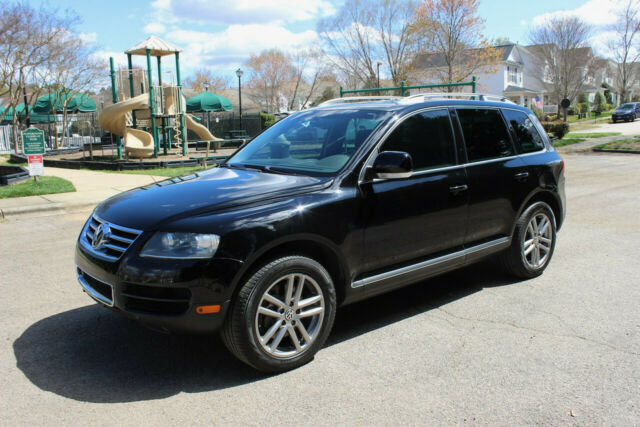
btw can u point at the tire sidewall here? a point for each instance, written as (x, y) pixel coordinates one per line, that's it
(538, 207)
(283, 267)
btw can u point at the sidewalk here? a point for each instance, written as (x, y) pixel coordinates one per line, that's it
(627, 130)
(91, 189)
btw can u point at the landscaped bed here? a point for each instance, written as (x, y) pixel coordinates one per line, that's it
(623, 145)
(46, 185)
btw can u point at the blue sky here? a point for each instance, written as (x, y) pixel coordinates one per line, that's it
(220, 35)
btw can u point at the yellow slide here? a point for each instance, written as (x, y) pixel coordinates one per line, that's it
(139, 143)
(113, 118)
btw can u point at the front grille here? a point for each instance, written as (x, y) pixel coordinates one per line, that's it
(154, 299)
(97, 289)
(114, 239)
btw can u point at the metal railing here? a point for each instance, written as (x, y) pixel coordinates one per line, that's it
(403, 88)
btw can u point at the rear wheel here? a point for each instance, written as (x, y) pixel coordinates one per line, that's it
(533, 242)
(282, 315)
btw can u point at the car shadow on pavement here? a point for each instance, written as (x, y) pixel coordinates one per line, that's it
(94, 355)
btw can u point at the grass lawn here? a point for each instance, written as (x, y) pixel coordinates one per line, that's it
(47, 185)
(575, 137)
(4, 160)
(632, 144)
(168, 172)
(602, 117)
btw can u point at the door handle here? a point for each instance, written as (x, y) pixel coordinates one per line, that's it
(521, 176)
(458, 188)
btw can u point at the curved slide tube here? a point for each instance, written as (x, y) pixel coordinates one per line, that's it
(139, 143)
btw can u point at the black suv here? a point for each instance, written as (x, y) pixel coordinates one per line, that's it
(328, 206)
(627, 112)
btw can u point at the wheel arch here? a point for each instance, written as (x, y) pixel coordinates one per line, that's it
(547, 197)
(313, 246)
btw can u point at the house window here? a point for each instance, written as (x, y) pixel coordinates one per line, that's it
(547, 76)
(514, 75)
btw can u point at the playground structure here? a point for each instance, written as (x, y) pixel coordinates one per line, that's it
(147, 114)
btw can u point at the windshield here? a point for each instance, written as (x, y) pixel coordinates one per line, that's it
(626, 107)
(316, 141)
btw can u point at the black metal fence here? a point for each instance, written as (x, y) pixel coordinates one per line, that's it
(228, 127)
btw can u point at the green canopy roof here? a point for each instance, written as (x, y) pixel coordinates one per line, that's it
(80, 103)
(20, 112)
(208, 101)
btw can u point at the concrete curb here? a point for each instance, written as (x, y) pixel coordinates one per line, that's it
(604, 150)
(46, 207)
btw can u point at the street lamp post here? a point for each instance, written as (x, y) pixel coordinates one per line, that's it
(378, 66)
(206, 88)
(239, 73)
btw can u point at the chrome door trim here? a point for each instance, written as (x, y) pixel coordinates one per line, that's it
(430, 262)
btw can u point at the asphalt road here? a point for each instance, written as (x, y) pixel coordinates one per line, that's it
(471, 347)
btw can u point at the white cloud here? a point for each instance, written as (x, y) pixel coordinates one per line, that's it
(154, 28)
(119, 59)
(241, 11)
(594, 12)
(232, 47)
(89, 37)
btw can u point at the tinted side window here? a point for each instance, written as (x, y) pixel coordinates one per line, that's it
(485, 134)
(427, 137)
(527, 137)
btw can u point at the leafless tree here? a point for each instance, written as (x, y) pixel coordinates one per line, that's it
(271, 73)
(366, 32)
(451, 41)
(201, 77)
(566, 60)
(308, 69)
(74, 73)
(27, 45)
(625, 47)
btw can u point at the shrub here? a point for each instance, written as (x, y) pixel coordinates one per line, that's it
(583, 97)
(558, 129)
(601, 103)
(267, 119)
(582, 107)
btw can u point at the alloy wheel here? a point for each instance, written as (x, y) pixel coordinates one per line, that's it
(538, 240)
(289, 315)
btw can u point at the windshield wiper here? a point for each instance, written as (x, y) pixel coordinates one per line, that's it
(268, 169)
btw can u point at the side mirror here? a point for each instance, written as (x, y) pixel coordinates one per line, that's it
(392, 165)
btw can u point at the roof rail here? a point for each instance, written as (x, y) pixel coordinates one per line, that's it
(349, 99)
(480, 96)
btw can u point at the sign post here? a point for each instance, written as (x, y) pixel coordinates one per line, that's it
(33, 146)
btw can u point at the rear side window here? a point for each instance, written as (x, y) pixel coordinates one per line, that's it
(528, 139)
(427, 137)
(485, 134)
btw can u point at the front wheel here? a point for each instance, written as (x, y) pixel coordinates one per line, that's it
(533, 242)
(282, 315)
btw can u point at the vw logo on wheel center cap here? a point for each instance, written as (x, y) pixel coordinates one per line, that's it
(289, 314)
(101, 236)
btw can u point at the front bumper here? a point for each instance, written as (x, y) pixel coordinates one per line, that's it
(626, 116)
(161, 294)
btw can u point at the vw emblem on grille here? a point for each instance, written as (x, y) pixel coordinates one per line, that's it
(101, 236)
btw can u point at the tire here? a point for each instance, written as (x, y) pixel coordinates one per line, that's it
(269, 308)
(516, 259)
(614, 121)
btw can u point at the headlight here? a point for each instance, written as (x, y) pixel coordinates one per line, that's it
(181, 245)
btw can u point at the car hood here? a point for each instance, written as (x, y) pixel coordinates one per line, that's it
(622, 111)
(146, 208)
